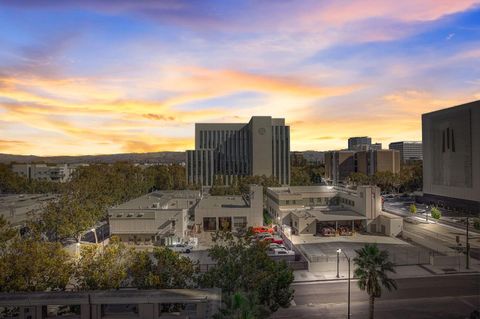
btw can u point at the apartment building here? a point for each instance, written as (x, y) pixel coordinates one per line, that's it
(46, 172)
(340, 164)
(309, 209)
(409, 150)
(228, 150)
(159, 217)
(451, 157)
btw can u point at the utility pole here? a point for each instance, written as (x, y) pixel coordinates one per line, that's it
(467, 264)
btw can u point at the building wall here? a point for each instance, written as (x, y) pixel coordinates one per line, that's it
(253, 212)
(408, 150)
(260, 147)
(451, 155)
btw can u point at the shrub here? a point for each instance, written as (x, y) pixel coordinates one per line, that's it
(413, 209)
(436, 213)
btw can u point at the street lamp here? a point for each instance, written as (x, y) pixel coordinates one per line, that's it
(338, 261)
(348, 259)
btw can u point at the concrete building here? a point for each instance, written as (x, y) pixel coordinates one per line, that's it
(311, 209)
(340, 164)
(159, 217)
(233, 213)
(16, 209)
(376, 146)
(46, 172)
(451, 157)
(260, 147)
(116, 304)
(409, 150)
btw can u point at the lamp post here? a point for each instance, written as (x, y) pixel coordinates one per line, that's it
(467, 263)
(348, 259)
(338, 261)
(426, 213)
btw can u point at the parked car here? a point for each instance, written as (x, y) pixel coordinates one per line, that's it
(262, 229)
(280, 252)
(181, 248)
(272, 239)
(274, 245)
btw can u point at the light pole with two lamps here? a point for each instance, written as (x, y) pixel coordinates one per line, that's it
(338, 261)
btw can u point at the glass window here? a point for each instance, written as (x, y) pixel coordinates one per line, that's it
(209, 224)
(225, 223)
(240, 222)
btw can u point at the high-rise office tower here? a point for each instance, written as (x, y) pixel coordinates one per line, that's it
(362, 143)
(451, 157)
(409, 150)
(229, 150)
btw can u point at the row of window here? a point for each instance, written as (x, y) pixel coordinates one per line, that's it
(308, 201)
(224, 223)
(347, 201)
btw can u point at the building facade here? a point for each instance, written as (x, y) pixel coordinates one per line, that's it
(260, 147)
(231, 213)
(46, 172)
(340, 164)
(409, 150)
(309, 209)
(359, 143)
(159, 217)
(451, 157)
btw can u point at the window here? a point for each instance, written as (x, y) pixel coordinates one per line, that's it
(209, 224)
(287, 202)
(240, 222)
(225, 223)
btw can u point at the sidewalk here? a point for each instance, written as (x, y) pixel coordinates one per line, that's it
(413, 271)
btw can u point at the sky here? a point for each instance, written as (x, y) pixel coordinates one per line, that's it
(101, 77)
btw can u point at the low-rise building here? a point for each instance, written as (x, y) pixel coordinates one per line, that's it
(315, 209)
(16, 209)
(159, 217)
(46, 172)
(232, 213)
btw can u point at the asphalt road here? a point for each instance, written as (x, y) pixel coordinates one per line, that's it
(454, 296)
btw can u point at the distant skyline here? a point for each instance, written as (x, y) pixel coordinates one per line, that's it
(101, 77)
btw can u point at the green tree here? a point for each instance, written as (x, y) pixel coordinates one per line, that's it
(476, 223)
(372, 268)
(163, 269)
(299, 176)
(435, 212)
(101, 268)
(241, 265)
(359, 179)
(34, 265)
(413, 209)
(7, 233)
(242, 305)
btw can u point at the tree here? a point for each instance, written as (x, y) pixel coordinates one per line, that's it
(34, 265)
(372, 268)
(103, 267)
(435, 212)
(241, 305)
(163, 269)
(243, 266)
(358, 179)
(7, 233)
(413, 209)
(476, 223)
(299, 177)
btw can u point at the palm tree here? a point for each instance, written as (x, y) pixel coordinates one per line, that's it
(372, 266)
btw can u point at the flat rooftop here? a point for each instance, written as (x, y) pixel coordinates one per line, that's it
(177, 199)
(16, 207)
(327, 215)
(222, 201)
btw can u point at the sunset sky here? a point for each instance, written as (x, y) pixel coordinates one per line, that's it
(98, 77)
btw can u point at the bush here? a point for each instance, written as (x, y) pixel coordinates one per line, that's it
(476, 223)
(413, 209)
(436, 213)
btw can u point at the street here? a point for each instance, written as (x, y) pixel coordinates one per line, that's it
(453, 296)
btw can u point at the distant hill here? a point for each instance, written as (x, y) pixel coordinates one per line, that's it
(156, 157)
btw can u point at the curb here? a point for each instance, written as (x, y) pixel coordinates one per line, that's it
(462, 273)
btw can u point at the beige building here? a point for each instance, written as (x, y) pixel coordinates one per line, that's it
(159, 217)
(16, 209)
(46, 172)
(233, 213)
(115, 304)
(310, 209)
(451, 157)
(340, 164)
